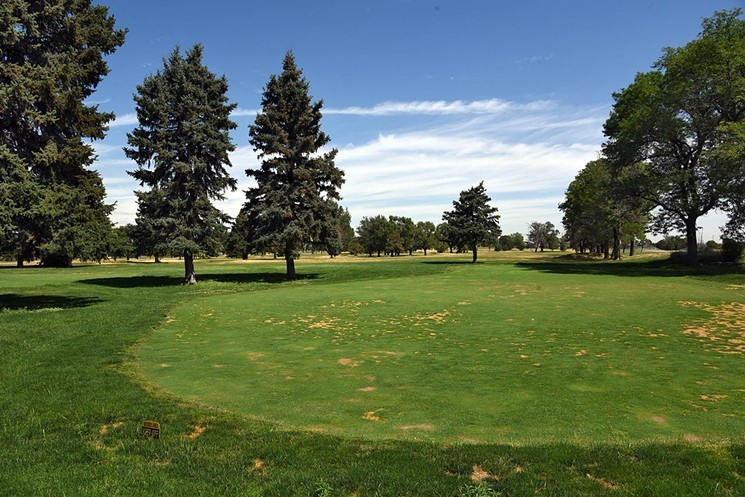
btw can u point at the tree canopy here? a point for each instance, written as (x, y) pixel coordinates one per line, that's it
(674, 122)
(181, 146)
(296, 183)
(51, 61)
(473, 221)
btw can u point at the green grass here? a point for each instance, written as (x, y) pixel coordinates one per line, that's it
(554, 376)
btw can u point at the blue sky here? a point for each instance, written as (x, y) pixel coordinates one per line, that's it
(423, 99)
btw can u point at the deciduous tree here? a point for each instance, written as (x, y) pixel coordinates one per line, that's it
(672, 120)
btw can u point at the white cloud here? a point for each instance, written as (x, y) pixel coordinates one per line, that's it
(124, 120)
(239, 112)
(440, 107)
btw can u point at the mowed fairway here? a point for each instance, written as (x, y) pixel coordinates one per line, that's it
(412, 376)
(516, 352)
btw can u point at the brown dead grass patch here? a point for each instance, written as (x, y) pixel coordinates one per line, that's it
(602, 481)
(196, 432)
(724, 331)
(259, 467)
(372, 415)
(479, 474)
(658, 420)
(164, 365)
(346, 361)
(691, 438)
(254, 356)
(423, 427)
(367, 389)
(105, 428)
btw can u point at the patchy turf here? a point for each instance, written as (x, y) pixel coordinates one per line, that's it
(544, 341)
(492, 353)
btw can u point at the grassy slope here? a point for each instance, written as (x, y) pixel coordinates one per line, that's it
(67, 382)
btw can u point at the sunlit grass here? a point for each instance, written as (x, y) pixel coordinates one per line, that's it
(82, 350)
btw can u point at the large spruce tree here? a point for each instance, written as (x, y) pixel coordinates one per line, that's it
(51, 60)
(295, 184)
(473, 221)
(181, 146)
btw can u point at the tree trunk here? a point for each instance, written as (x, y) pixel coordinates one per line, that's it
(290, 261)
(632, 248)
(616, 255)
(691, 242)
(606, 254)
(190, 278)
(157, 259)
(425, 250)
(19, 260)
(475, 252)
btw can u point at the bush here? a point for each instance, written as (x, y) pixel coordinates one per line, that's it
(733, 251)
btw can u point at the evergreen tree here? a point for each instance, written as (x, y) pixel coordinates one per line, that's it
(472, 220)
(295, 184)
(51, 60)
(181, 146)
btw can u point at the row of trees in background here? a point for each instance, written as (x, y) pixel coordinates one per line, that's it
(674, 148)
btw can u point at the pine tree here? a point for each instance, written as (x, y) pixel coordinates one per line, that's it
(472, 220)
(295, 183)
(181, 147)
(51, 60)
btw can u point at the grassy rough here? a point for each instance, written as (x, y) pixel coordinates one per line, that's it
(73, 394)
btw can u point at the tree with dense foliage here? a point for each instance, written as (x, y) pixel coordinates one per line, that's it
(542, 234)
(425, 236)
(295, 183)
(674, 119)
(181, 148)
(51, 61)
(337, 232)
(473, 221)
(602, 208)
(373, 232)
(446, 237)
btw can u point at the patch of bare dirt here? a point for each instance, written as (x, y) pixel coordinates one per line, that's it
(658, 420)
(367, 389)
(724, 331)
(164, 365)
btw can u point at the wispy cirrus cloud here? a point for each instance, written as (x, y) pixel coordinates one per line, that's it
(124, 120)
(526, 154)
(440, 108)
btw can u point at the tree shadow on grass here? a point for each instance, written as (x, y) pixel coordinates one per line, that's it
(161, 281)
(15, 302)
(571, 265)
(451, 263)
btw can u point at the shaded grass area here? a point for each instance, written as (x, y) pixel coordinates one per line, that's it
(72, 400)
